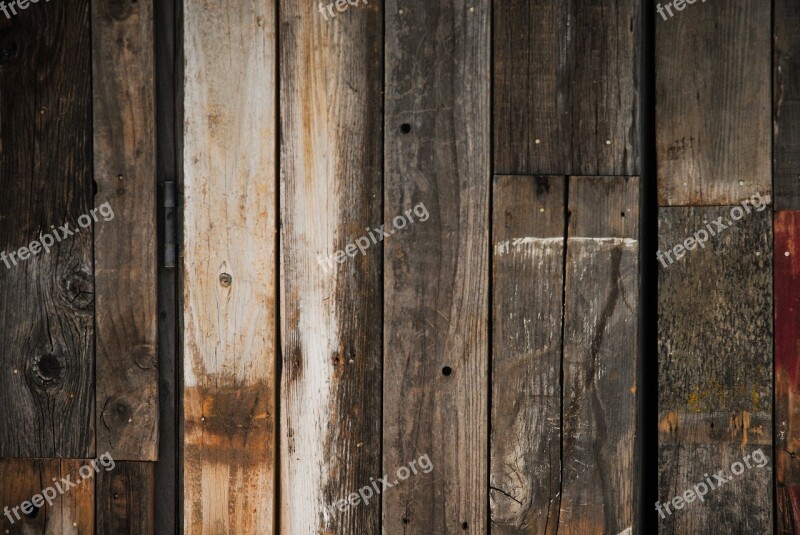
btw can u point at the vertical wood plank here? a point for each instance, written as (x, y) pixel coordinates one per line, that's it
(125, 504)
(46, 301)
(600, 357)
(786, 105)
(787, 364)
(436, 282)
(715, 368)
(331, 134)
(713, 138)
(229, 298)
(580, 62)
(125, 248)
(71, 512)
(527, 289)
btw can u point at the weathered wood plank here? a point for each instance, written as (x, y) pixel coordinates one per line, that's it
(229, 175)
(125, 250)
(525, 448)
(787, 365)
(125, 504)
(786, 105)
(600, 357)
(71, 512)
(715, 367)
(436, 283)
(713, 137)
(330, 310)
(46, 300)
(566, 87)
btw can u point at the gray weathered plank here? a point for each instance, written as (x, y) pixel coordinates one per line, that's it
(436, 283)
(527, 289)
(713, 137)
(786, 105)
(715, 367)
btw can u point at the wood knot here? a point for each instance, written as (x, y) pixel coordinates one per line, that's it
(9, 50)
(48, 369)
(117, 412)
(77, 290)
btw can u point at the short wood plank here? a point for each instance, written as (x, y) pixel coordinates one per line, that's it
(331, 165)
(125, 248)
(566, 80)
(787, 365)
(229, 174)
(436, 283)
(600, 478)
(786, 105)
(47, 301)
(72, 511)
(527, 289)
(713, 136)
(125, 504)
(715, 368)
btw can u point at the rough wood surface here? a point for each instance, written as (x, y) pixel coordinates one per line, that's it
(527, 289)
(125, 504)
(599, 492)
(715, 368)
(713, 137)
(330, 311)
(786, 105)
(47, 301)
(787, 365)
(72, 512)
(566, 87)
(229, 172)
(436, 285)
(125, 247)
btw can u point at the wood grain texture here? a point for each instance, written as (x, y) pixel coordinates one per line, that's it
(566, 95)
(229, 173)
(125, 504)
(787, 365)
(436, 283)
(786, 105)
(527, 289)
(715, 368)
(46, 301)
(599, 492)
(713, 138)
(331, 135)
(71, 512)
(125, 247)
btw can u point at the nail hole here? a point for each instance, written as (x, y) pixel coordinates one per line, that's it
(447, 370)
(464, 526)
(405, 520)
(34, 513)
(622, 214)
(405, 128)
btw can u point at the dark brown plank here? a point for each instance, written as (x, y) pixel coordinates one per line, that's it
(599, 491)
(527, 289)
(436, 283)
(566, 87)
(713, 138)
(70, 512)
(715, 368)
(786, 105)
(125, 246)
(46, 301)
(125, 498)
(787, 364)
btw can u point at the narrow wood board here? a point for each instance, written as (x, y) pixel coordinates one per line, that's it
(71, 512)
(600, 478)
(786, 105)
(47, 301)
(436, 285)
(331, 134)
(125, 504)
(229, 174)
(713, 138)
(527, 290)
(566, 87)
(715, 368)
(125, 235)
(787, 365)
